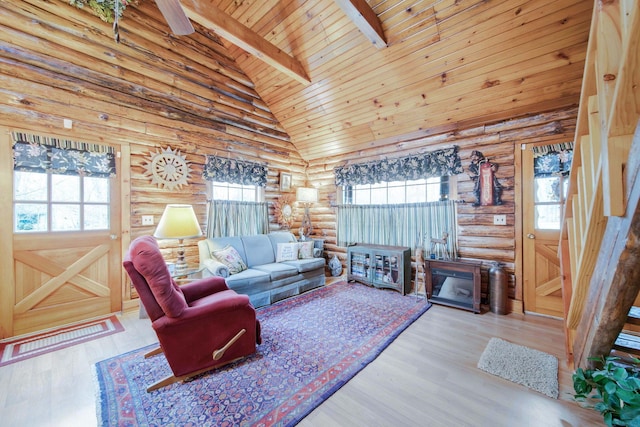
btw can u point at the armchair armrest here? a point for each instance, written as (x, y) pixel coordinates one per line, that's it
(202, 287)
(216, 268)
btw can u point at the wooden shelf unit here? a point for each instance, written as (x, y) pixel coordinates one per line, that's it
(380, 266)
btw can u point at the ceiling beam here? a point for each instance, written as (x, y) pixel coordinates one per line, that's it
(208, 15)
(365, 19)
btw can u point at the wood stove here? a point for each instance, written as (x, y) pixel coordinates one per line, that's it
(454, 283)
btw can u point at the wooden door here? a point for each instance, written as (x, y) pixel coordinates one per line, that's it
(67, 276)
(541, 235)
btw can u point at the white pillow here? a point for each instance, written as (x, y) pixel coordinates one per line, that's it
(287, 252)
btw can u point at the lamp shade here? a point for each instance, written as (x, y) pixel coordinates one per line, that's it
(307, 194)
(178, 222)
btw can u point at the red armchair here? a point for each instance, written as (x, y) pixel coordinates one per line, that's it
(201, 325)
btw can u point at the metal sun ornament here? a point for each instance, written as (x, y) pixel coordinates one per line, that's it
(168, 168)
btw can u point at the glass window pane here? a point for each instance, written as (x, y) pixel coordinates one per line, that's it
(416, 193)
(547, 189)
(396, 195)
(249, 194)
(30, 186)
(378, 195)
(362, 196)
(565, 188)
(65, 188)
(235, 193)
(65, 217)
(547, 217)
(433, 192)
(96, 190)
(220, 193)
(96, 217)
(30, 217)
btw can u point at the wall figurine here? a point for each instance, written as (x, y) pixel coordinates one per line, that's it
(487, 188)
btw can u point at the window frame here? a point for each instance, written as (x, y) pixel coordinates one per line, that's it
(445, 184)
(50, 204)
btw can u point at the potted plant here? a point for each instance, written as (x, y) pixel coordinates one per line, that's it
(613, 390)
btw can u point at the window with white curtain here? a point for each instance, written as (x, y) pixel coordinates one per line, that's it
(396, 192)
(237, 192)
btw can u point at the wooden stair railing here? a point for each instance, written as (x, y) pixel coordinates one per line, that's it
(601, 185)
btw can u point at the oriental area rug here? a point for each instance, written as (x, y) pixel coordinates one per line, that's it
(312, 345)
(28, 346)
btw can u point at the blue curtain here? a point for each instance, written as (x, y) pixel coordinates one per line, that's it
(33, 153)
(233, 171)
(445, 162)
(398, 225)
(234, 218)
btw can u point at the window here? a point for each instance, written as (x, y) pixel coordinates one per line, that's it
(49, 202)
(236, 192)
(398, 192)
(551, 183)
(550, 194)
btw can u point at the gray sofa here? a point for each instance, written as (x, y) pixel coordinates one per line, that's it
(265, 281)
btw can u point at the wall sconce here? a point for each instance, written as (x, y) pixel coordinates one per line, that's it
(178, 222)
(306, 196)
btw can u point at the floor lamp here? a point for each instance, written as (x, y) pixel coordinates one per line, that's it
(306, 196)
(178, 222)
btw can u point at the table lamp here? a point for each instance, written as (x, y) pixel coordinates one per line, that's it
(178, 222)
(306, 196)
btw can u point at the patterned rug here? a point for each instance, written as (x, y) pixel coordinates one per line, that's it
(312, 345)
(25, 347)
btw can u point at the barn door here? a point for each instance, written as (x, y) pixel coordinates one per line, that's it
(66, 222)
(544, 187)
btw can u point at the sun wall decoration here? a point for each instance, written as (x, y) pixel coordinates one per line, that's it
(283, 210)
(167, 168)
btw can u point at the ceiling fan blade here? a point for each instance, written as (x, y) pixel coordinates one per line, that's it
(175, 16)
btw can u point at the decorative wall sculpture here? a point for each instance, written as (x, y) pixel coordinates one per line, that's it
(487, 189)
(168, 168)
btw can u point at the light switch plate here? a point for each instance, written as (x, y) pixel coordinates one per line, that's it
(500, 220)
(147, 219)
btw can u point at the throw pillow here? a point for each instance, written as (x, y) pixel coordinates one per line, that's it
(287, 252)
(230, 257)
(305, 249)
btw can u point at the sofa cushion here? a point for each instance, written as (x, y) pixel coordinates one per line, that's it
(306, 264)
(221, 242)
(278, 271)
(305, 249)
(147, 259)
(258, 250)
(286, 252)
(230, 257)
(249, 281)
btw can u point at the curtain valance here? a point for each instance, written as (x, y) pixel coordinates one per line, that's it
(33, 153)
(550, 160)
(233, 171)
(445, 162)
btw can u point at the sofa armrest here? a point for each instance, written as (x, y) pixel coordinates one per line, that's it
(216, 268)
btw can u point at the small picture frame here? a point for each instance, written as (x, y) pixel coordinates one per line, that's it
(285, 181)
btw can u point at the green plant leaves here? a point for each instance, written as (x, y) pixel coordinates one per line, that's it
(614, 391)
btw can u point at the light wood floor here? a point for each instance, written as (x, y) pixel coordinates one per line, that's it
(426, 377)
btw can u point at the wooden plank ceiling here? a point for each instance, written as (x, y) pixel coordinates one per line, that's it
(337, 86)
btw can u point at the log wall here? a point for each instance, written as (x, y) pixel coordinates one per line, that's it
(154, 90)
(478, 238)
(148, 92)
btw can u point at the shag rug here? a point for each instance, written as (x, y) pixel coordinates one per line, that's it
(312, 345)
(522, 365)
(28, 346)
